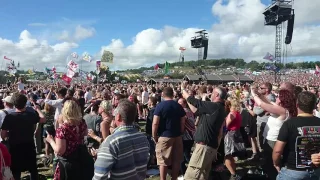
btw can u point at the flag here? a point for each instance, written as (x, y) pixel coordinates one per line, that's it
(55, 76)
(54, 69)
(66, 79)
(72, 65)
(87, 57)
(70, 73)
(269, 57)
(156, 67)
(166, 67)
(98, 64)
(107, 56)
(182, 48)
(6, 58)
(317, 71)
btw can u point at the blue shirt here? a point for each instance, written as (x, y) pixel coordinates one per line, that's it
(123, 154)
(170, 113)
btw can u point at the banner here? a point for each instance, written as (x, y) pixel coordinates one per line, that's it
(107, 56)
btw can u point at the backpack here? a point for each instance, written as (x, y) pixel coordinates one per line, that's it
(78, 161)
(6, 112)
(5, 170)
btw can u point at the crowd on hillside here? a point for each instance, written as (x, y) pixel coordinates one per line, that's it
(190, 131)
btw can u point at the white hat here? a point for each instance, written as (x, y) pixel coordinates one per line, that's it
(8, 99)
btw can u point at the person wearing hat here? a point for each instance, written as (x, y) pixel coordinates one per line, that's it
(8, 108)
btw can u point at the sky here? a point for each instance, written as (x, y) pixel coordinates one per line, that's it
(140, 33)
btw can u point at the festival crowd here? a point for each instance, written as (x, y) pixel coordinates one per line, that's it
(188, 131)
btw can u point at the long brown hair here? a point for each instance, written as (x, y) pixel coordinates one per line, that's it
(288, 101)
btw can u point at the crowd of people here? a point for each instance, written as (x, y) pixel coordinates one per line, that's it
(190, 131)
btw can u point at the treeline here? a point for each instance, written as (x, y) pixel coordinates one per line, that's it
(222, 63)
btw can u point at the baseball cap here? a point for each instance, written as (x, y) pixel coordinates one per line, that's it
(8, 99)
(116, 91)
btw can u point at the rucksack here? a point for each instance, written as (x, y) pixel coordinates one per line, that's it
(80, 160)
(5, 170)
(6, 112)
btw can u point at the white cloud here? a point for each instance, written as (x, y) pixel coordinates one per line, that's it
(64, 36)
(30, 52)
(238, 33)
(37, 24)
(83, 33)
(76, 34)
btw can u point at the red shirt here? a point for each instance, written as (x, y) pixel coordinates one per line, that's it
(236, 122)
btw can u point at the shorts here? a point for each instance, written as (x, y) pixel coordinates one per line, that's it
(169, 150)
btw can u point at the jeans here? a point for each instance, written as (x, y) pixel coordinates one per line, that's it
(288, 174)
(187, 145)
(33, 173)
(268, 164)
(152, 148)
(260, 138)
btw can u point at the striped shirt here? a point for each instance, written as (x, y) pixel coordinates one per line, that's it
(123, 155)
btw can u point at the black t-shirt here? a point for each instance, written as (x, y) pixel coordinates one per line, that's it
(170, 113)
(149, 121)
(289, 133)
(21, 126)
(212, 115)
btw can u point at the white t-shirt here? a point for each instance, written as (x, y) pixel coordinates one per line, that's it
(88, 96)
(20, 86)
(3, 115)
(271, 131)
(57, 104)
(145, 97)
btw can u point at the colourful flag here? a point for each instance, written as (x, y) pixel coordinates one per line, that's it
(6, 58)
(269, 57)
(54, 69)
(166, 67)
(87, 57)
(317, 71)
(156, 67)
(72, 65)
(98, 64)
(107, 56)
(182, 48)
(66, 79)
(70, 73)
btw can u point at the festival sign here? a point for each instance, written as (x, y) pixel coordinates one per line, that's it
(107, 56)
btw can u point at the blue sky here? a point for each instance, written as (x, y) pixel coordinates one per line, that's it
(111, 19)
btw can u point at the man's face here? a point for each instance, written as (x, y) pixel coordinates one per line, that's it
(263, 89)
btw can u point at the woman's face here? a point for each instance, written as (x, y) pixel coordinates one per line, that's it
(131, 99)
(100, 110)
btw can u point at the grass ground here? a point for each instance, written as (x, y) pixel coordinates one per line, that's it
(47, 173)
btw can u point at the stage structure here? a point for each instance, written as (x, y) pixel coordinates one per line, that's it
(199, 41)
(277, 14)
(181, 58)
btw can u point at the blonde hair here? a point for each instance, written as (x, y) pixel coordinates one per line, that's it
(235, 104)
(71, 112)
(48, 108)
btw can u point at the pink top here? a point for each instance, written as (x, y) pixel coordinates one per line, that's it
(236, 122)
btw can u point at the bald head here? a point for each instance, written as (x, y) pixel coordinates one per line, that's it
(288, 86)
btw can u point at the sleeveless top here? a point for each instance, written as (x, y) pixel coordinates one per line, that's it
(236, 123)
(271, 131)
